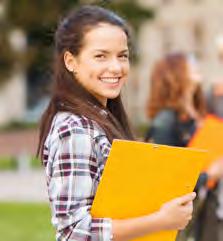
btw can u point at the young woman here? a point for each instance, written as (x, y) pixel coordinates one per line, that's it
(176, 103)
(84, 116)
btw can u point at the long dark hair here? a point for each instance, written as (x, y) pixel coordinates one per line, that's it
(68, 95)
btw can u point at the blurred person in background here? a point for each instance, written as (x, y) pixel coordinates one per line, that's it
(176, 108)
(176, 104)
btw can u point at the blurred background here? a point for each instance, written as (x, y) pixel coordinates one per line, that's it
(26, 45)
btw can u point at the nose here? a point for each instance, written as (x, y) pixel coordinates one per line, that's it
(115, 66)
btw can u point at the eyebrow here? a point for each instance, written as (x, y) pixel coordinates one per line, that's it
(105, 51)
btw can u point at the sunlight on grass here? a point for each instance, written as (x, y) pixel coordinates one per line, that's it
(25, 222)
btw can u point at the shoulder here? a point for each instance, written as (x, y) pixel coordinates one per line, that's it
(79, 133)
(165, 117)
(66, 124)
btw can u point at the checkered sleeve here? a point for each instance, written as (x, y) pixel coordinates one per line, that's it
(72, 186)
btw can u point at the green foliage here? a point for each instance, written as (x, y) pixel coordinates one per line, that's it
(39, 18)
(8, 164)
(36, 162)
(6, 56)
(25, 222)
(130, 10)
(18, 125)
(31, 14)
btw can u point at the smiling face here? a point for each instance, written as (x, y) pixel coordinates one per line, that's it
(102, 66)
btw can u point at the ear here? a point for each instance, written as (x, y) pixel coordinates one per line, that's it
(69, 61)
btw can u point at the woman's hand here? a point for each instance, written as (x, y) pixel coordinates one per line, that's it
(178, 212)
(173, 215)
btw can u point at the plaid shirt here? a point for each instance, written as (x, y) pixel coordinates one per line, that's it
(75, 153)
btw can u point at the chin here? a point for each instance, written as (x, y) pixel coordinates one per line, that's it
(113, 96)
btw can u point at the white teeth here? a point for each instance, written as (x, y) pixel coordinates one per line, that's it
(110, 80)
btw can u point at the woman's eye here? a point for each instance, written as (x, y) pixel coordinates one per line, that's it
(100, 56)
(124, 56)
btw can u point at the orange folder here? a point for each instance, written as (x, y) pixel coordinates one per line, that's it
(139, 177)
(210, 137)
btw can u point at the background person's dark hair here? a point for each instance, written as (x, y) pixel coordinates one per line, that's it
(68, 94)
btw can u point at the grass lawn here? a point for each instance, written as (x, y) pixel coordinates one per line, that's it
(25, 222)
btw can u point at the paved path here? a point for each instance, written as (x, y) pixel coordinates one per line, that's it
(28, 186)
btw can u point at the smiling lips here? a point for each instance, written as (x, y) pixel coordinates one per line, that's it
(110, 80)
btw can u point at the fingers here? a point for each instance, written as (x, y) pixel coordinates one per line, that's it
(179, 211)
(189, 210)
(188, 207)
(186, 198)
